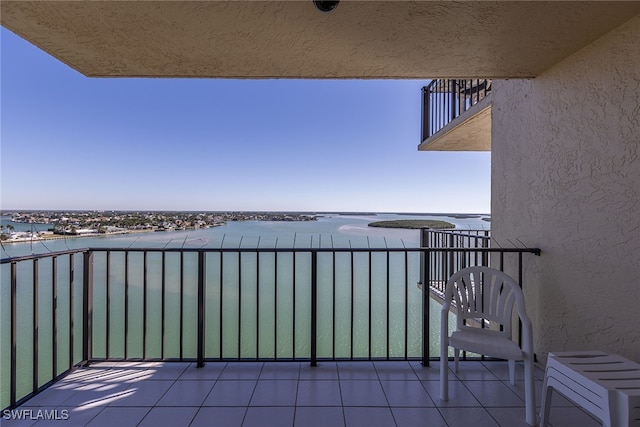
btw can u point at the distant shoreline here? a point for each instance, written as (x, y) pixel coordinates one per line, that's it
(40, 237)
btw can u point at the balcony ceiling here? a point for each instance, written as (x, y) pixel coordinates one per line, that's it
(291, 39)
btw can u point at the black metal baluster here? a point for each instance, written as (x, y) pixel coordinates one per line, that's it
(453, 95)
(352, 303)
(71, 325)
(444, 103)
(163, 281)
(54, 317)
(406, 304)
(239, 305)
(443, 113)
(108, 303)
(370, 302)
(388, 306)
(14, 359)
(432, 111)
(257, 305)
(87, 303)
(314, 308)
(425, 113)
(201, 307)
(126, 305)
(425, 312)
(275, 306)
(220, 307)
(294, 304)
(34, 362)
(144, 305)
(333, 313)
(181, 333)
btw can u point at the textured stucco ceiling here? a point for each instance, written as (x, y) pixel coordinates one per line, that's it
(291, 39)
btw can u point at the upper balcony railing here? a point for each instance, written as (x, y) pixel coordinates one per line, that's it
(65, 309)
(444, 100)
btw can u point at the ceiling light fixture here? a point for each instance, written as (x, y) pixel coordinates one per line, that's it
(326, 6)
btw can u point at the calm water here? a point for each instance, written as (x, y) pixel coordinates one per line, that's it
(335, 230)
(263, 307)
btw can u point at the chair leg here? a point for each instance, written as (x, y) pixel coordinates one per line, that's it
(444, 372)
(530, 392)
(456, 358)
(512, 372)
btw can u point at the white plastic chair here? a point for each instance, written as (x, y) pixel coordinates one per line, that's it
(484, 298)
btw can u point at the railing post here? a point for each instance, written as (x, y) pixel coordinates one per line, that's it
(54, 316)
(201, 305)
(34, 363)
(87, 307)
(425, 308)
(314, 308)
(451, 265)
(14, 360)
(144, 304)
(485, 254)
(454, 98)
(425, 112)
(126, 306)
(71, 317)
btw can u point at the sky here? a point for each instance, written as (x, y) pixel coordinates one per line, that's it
(74, 142)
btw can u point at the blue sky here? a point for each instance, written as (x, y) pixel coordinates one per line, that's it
(72, 142)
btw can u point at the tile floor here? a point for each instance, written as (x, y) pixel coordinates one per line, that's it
(274, 394)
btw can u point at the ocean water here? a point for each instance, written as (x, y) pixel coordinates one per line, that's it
(249, 298)
(340, 231)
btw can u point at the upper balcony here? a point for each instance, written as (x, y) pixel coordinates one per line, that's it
(456, 115)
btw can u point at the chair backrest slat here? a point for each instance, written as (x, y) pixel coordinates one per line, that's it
(485, 295)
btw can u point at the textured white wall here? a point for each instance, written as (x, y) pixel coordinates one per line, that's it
(566, 178)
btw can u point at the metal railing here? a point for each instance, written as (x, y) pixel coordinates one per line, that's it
(71, 308)
(444, 267)
(444, 100)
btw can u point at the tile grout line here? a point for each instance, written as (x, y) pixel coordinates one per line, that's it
(295, 403)
(344, 415)
(207, 396)
(246, 409)
(385, 393)
(145, 415)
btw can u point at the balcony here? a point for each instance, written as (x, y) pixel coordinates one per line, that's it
(456, 115)
(296, 336)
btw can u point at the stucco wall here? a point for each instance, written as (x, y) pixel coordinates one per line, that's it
(566, 178)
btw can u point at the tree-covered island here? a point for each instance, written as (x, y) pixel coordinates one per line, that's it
(413, 224)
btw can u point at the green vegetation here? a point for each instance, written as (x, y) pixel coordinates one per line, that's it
(413, 224)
